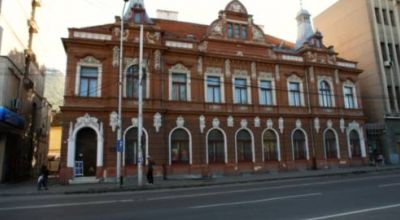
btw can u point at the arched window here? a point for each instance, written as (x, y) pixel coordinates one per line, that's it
(270, 146)
(132, 82)
(325, 94)
(216, 149)
(355, 144)
(244, 146)
(131, 146)
(330, 145)
(86, 151)
(299, 145)
(180, 147)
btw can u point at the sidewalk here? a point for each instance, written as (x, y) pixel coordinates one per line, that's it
(30, 187)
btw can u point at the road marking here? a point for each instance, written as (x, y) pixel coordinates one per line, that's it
(389, 185)
(356, 212)
(66, 205)
(255, 201)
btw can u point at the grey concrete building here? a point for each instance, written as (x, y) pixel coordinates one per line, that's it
(369, 31)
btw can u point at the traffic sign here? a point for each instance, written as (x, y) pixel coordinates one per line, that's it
(120, 148)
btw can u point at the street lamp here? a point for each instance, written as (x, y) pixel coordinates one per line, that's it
(119, 133)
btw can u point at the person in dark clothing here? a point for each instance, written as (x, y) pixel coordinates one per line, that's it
(150, 170)
(43, 178)
(164, 171)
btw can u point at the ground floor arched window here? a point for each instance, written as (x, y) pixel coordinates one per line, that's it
(299, 145)
(330, 144)
(244, 146)
(270, 143)
(131, 146)
(355, 147)
(180, 147)
(216, 147)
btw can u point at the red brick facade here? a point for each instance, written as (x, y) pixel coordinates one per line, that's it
(199, 51)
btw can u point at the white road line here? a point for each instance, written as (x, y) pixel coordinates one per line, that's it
(255, 201)
(389, 185)
(65, 205)
(356, 212)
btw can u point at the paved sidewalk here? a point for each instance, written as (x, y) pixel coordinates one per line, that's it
(30, 187)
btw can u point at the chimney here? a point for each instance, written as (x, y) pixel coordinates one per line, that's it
(167, 15)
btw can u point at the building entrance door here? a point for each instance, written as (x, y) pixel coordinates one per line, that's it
(86, 150)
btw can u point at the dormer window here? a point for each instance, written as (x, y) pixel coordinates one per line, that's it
(237, 31)
(138, 18)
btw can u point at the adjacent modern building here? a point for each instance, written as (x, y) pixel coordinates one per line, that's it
(218, 99)
(369, 31)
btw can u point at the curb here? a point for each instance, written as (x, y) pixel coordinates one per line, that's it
(204, 183)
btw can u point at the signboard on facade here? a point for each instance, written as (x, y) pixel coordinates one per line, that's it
(11, 118)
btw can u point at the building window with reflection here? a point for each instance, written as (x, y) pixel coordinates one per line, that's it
(180, 147)
(294, 94)
(241, 91)
(349, 99)
(266, 93)
(325, 94)
(179, 87)
(88, 83)
(213, 89)
(132, 82)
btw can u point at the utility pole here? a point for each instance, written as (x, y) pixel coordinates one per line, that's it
(140, 110)
(33, 29)
(119, 132)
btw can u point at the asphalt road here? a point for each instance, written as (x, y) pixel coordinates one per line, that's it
(369, 196)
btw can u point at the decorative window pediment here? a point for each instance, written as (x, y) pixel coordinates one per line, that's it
(236, 6)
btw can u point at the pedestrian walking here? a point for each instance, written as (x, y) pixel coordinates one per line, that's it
(150, 170)
(43, 178)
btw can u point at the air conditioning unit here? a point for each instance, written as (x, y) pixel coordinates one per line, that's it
(387, 63)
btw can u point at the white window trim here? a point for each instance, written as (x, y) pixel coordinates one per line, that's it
(267, 78)
(222, 86)
(169, 144)
(292, 140)
(180, 69)
(89, 61)
(354, 126)
(278, 143)
(329, 80)
(135, 62)
(225, 144)
(296, 79)
(248, 84)
(348, 83)
(124, 142)
(337, 143)
(252, 145)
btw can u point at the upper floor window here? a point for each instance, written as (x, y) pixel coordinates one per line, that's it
(179, 83)
(325, 94)
(349, 97)
(294, 94)
(266, 92)
(179, 87)
(241, 95)
(214, 89)
(237, 31)
(132, 82)
(385, 18)
(88, 82)
(377, 15)
(88, 77)
(392, 18)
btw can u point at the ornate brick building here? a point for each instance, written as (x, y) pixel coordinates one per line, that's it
(218, 98)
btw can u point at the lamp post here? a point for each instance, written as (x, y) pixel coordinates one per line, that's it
(119, 133)
(140, 110)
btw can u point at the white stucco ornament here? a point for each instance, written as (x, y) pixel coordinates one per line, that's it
(215, 122)
(180, 122)
(298, 123)
(135, 122)
(243, 123)
(230, 121)
(202, 121)
(270, 124)
(317, 125)
(157, 121)
(257, 122)
(113, 120)
(329, 123)
(342, 125)
(281, 124)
